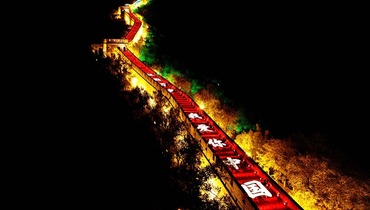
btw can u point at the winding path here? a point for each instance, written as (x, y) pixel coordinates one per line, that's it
(248, 184)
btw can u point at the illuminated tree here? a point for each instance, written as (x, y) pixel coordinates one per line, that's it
(311, 180)
(182, 154)
(228, 120)
(243, 123)
(257, 142)
(148, 51)
(223, 115)
(244, 140)
(183, 84)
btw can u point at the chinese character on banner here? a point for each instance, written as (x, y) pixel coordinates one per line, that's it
(255, 188)
(216, 143)
(163, 84)
(233, 162)
(194, 115)
(203, 127)
(157, 79)
(170, 90)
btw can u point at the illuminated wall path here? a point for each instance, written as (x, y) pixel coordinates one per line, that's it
(249, 186)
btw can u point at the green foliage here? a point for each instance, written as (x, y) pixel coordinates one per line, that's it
(148, 51)
(168, 71)
(243, 123)
(195, 87)
(146, 55)
(142, 8)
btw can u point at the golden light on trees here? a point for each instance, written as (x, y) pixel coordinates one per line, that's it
(215, 185)
(134, 81)
(166, 110)
(244, 140)
(201, 105)
(152, 103)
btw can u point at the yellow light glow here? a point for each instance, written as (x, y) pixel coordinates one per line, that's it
(134, 81)
(203, 162)
(217, 190)
(166, 109)
(201, 105)
(152, 102)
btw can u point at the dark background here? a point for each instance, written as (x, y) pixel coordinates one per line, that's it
(299, 67)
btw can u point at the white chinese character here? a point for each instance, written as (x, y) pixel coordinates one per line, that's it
(194, 115)
(162, 84)
(255, 188)
(170, 90)
(157, 79)
(216, 143)
(150, 74)
(233, 162)
(203, 127)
